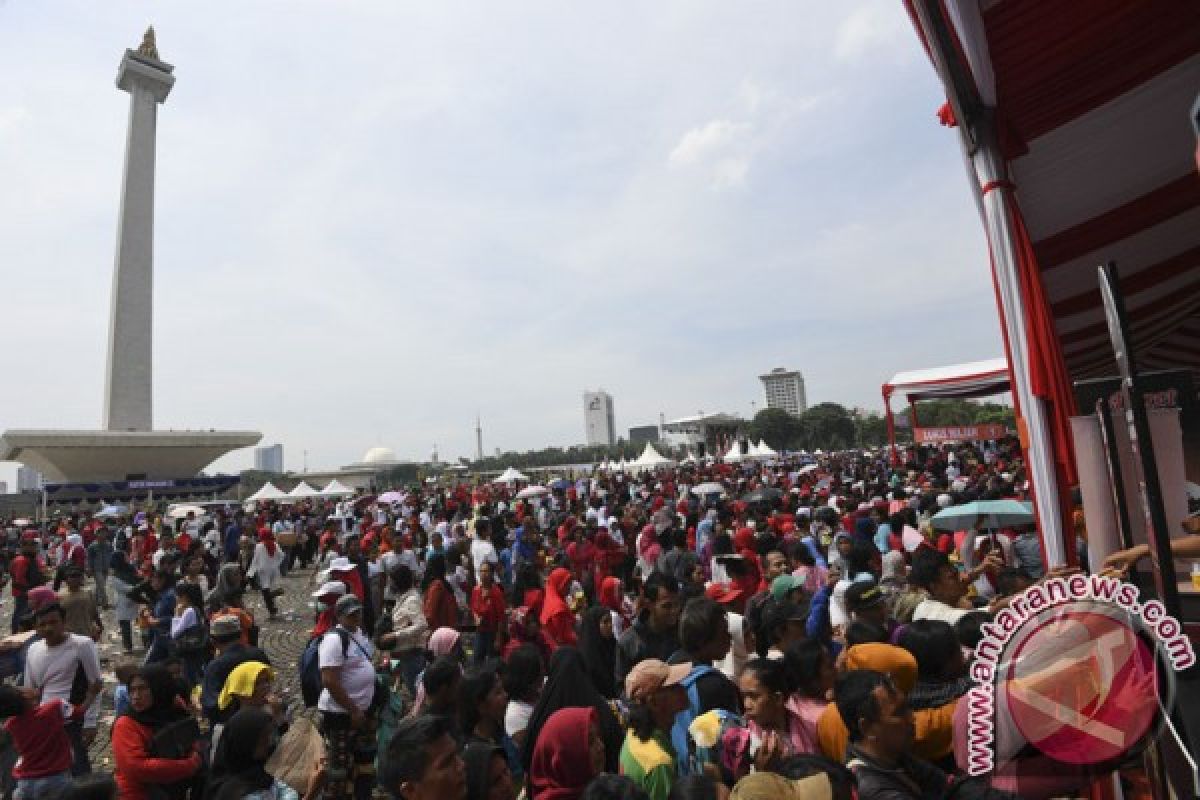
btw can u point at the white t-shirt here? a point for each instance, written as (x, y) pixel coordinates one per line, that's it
(357, 672)
(516, 717)
(52, 669)
(482, 550)
(936, 609)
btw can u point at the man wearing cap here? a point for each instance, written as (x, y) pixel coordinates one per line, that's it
(348, 681)
(866, 601)
(656, 695)
(226, 634)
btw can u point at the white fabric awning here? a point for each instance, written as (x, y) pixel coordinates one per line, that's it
(973, 379)
(336, 489)
(268, 492)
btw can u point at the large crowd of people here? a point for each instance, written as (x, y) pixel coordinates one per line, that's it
(794, 629)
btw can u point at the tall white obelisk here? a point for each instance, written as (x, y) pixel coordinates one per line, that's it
(128, 390)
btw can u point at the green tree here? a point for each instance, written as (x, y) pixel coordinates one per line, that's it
(779, 428)
(827, 426)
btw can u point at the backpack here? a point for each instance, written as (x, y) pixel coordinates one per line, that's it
(310, 666)
(680, 740)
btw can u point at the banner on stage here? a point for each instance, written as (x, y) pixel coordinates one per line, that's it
(959, 433)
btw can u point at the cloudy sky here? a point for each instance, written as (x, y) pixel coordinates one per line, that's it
(376, 219)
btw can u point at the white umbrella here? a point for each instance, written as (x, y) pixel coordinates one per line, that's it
(807, 469)
(712, 487)
(532, 491)
(110, 511)
(181, 511)
(337, 489)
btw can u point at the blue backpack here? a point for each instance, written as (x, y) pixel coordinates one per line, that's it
(680, 739)
(310, 666)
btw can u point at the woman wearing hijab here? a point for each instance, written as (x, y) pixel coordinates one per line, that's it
(599, 649)
(443, 642)
(567, 684)
(124, 577)
(441, 609)
(557, 618)
(239, 763)
(569, 752)
(488, 776)
(155, 705)
(265, 567)
(612, 597)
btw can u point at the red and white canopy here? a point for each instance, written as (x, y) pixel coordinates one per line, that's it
(974, 379)
(1091, 103)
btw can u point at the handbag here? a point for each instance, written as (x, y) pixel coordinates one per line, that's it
(190, 641)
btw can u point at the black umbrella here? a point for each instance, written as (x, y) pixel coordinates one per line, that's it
(763, 494)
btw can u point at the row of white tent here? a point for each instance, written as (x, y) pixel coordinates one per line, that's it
(269, 491)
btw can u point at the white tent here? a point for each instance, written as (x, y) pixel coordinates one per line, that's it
(337, 489)
(734, 455)
(511, 475)
(624, 465)
(688, 459)
(651, 459)
(267, 492)
(303, 490)
(765, 450)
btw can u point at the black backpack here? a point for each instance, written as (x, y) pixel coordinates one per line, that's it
(310, 666)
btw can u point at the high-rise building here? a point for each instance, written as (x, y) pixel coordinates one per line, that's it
(785, 389)
(29, 479)
(478, 439)
(598, 418)
(269, 459)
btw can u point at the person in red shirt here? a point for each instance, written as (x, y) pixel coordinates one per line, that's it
(40, 739)
(155, 704)
(487, 604)
(27, 571)
(558, 620)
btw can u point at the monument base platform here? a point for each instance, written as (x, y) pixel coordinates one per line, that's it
(91, 456)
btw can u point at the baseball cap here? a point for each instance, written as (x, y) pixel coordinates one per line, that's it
(648, 676)
(330, 587)
(347, 604)
(723, 592)
(781, 586)
(341, 564)
(226, 625)
(863, 595)
(772, 786)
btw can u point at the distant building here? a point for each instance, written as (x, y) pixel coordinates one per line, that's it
(269, 459)
(29, 480)
(785, 389)
(643, 434)
(598, 418)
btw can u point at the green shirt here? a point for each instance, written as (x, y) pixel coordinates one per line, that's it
(649, 764)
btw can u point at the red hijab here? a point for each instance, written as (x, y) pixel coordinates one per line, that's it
(555, 602)
(562, 765)
(268, 539)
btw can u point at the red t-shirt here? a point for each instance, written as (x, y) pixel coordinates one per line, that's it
(41, 741)
(488, 605)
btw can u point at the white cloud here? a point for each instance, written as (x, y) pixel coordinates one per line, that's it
(709, 141)
(878, 29)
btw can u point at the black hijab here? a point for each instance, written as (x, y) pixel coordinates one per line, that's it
(568, 685)
(478, 758)
(599, 651)
(166, 692)
(236, 772)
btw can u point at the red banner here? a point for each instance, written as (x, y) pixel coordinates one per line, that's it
(963, 433)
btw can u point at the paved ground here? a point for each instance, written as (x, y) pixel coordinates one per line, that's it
(283, 639)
